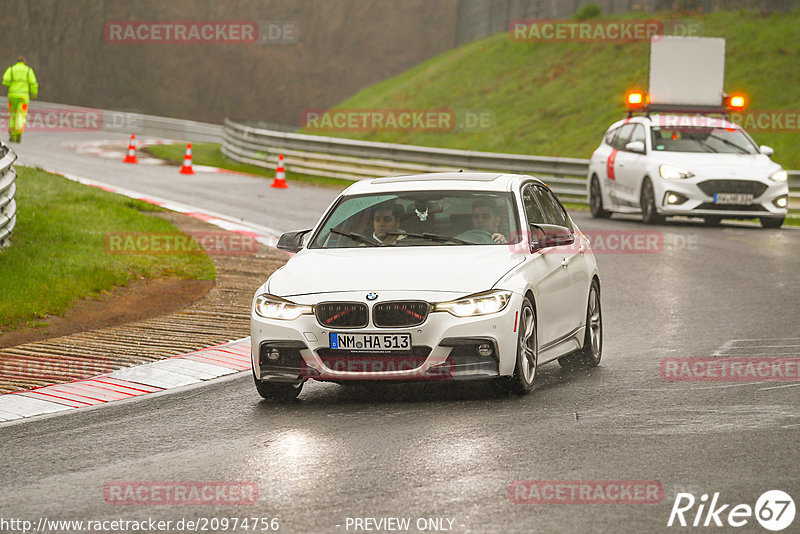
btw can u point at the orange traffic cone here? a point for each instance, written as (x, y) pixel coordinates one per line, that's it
(131, 156)
(280, 175)
(186, 168)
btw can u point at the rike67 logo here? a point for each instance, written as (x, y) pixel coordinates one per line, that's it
(774, 510)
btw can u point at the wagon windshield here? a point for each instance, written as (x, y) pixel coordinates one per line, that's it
(701, 139)
(429, 218)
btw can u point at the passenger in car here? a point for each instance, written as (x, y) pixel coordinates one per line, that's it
(486, 217)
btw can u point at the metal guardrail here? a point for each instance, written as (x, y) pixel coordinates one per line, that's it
(351, 159)
(8, 189)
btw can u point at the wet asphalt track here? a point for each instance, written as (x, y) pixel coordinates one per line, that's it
(450, 450)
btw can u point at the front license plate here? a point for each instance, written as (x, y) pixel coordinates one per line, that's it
(733, 198)
(370, 342)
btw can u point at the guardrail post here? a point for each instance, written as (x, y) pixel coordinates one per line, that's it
(8, 189)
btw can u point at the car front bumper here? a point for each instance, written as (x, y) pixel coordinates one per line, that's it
(701, 203)
(443, 346)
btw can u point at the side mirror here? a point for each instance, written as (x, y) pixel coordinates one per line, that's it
(292, 241)
(766, 150)
(550, 235)
(635, 146)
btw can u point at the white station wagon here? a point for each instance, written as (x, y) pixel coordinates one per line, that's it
(447, 276)
(691, 165)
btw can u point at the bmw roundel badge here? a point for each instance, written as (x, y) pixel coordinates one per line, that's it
(372, 296)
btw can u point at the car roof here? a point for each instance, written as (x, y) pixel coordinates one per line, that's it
(672, 119)
(457, 181)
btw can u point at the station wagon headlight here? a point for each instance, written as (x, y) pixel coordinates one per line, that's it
(671, 172)
(271, 307)
(779, 176)
(480, 304)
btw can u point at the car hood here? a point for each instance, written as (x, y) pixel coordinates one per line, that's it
(742, 166)
(459, 269)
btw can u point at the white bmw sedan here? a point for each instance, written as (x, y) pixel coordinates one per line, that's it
(448, 276)
(690, 165)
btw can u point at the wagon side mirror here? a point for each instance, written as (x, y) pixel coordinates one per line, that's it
(766, 150)
(635, 146)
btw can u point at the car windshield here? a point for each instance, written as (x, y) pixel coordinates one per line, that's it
(418, 219)
(701, 139)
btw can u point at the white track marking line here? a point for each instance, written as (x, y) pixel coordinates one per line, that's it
(781, 387)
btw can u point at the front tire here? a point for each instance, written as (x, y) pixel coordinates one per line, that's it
(771, 222)
(596, 200)
(279, 391)
(527, 354)
(647, 203)
(589, 356)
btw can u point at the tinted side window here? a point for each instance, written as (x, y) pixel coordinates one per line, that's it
(621, 140)
(553, 211)
(609, 139)
(638, 134)
(533, 211)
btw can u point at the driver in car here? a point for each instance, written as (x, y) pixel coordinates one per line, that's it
(386, 222)
(486, 217)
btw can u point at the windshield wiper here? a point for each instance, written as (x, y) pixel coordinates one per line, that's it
(433, 237)
(707, 146)
(731, 143)
(358, 237)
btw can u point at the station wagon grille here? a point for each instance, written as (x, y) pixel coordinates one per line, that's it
(730, 207)
(395, 314)
(342, 314)
(712, 187)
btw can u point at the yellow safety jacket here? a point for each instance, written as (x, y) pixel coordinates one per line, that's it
(21, 81)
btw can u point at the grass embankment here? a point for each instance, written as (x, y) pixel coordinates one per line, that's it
(58, 253)
(558, 98)
(210, 154)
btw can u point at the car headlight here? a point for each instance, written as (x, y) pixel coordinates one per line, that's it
(671, 172)
(480, 304)
(271, 307)
(779, 176)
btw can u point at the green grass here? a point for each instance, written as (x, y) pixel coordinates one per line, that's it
(557, 99)
(210, 154)
(58, 253)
